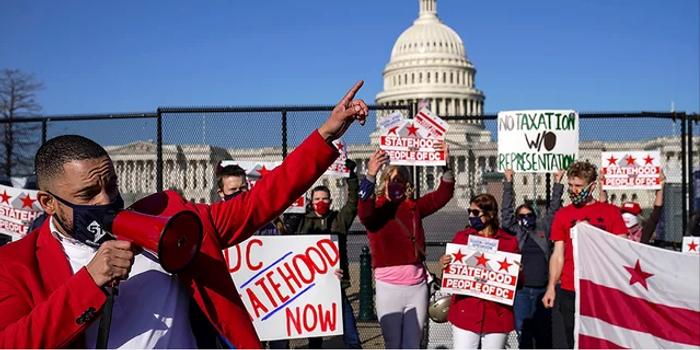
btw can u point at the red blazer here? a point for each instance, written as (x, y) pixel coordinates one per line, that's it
(388, 241)
(42, 305)
(479, 315)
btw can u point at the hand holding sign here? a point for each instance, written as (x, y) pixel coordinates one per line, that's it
(376, 161)
(344, 113)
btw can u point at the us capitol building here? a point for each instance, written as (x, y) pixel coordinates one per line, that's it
(428, 63)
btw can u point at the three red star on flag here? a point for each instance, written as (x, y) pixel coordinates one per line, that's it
(393, 130)
(637, 275)
(27, 202)
(481, 260)
(5, 197)
(458, 256)
(630, 159)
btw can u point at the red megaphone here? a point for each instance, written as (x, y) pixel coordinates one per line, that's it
(175, 239)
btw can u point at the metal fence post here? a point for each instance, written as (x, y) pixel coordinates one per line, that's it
(44, 128)
(284, 133)
(366, 289)
(691, 184)
(548, 189)
(159, 151)
(684, 172)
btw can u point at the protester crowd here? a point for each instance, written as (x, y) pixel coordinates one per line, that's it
(54, 282)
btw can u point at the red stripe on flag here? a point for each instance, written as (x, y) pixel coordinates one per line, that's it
(588, 342)
(617, 308)
(426, 117)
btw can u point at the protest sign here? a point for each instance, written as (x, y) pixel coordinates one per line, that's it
(537, 140)
(482, 243)
(255, 170)
(18, 208)
(338, 167)
(487, 275)
(631, 170)
(414, 142)
(691, 245)
(288, 285)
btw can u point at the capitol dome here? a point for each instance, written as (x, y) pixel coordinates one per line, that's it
(429, 62)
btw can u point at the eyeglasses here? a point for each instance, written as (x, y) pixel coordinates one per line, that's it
(474, 212)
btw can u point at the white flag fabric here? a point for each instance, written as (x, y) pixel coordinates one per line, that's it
(631, 295)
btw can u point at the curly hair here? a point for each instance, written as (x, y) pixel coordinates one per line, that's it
(584, 170)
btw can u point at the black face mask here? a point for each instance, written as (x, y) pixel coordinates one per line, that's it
(232, 195)
(91, 223)
(528, 221)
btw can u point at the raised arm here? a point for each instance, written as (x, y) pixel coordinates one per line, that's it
(556, 199)
(508, 220)
(437, 199)
(348, 212)
(237, 219)
(366, 210)
(650, 224)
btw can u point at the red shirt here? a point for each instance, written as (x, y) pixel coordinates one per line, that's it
(478, 315)
(604, 216)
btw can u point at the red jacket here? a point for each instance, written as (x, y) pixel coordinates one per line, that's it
(389, 243)
(479, 315)
(42, 305)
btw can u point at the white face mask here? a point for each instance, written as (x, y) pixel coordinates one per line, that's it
(631, 220)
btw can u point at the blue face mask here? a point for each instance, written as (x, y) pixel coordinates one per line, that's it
(476, 223)
(528, 221)
(91, 223)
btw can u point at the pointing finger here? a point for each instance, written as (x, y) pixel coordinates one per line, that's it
(351, 93)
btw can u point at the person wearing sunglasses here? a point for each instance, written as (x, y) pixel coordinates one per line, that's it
(532, 320)
(475, 320)
(397, 244)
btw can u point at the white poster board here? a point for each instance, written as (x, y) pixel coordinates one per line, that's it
(631, 170)
(487, 275)
(288, 285)
(537, 141)
(338, 167)
(18, 208)
(413, 142)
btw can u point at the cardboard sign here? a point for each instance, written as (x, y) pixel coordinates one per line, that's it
(632, 170)
(255, 170)
(18, 208)
(414, 142)
(288, 285)
(338, 167)
(483, 244)
(691, 245)
(537, 141)
(487, 275)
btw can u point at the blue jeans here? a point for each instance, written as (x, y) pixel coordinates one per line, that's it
(532, 320)
(351, 336)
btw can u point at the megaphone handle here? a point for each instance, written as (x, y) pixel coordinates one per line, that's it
(106, 320)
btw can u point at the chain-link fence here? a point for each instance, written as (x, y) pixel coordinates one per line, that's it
(179, 148)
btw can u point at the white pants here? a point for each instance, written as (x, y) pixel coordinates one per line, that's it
(464, 339)
(402, 311)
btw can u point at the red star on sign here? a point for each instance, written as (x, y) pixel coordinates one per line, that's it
(504, 264)
(692, 246)
(630, 159)
(637, 275)
(393, 130)
(481, 260)
(612, 160)
(27, 202)
(458, 256)
(648, 159)
(5, 197)
(340, 146)
(263, 171)
(412, 130)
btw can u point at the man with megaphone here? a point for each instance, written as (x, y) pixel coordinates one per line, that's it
(53, 282)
